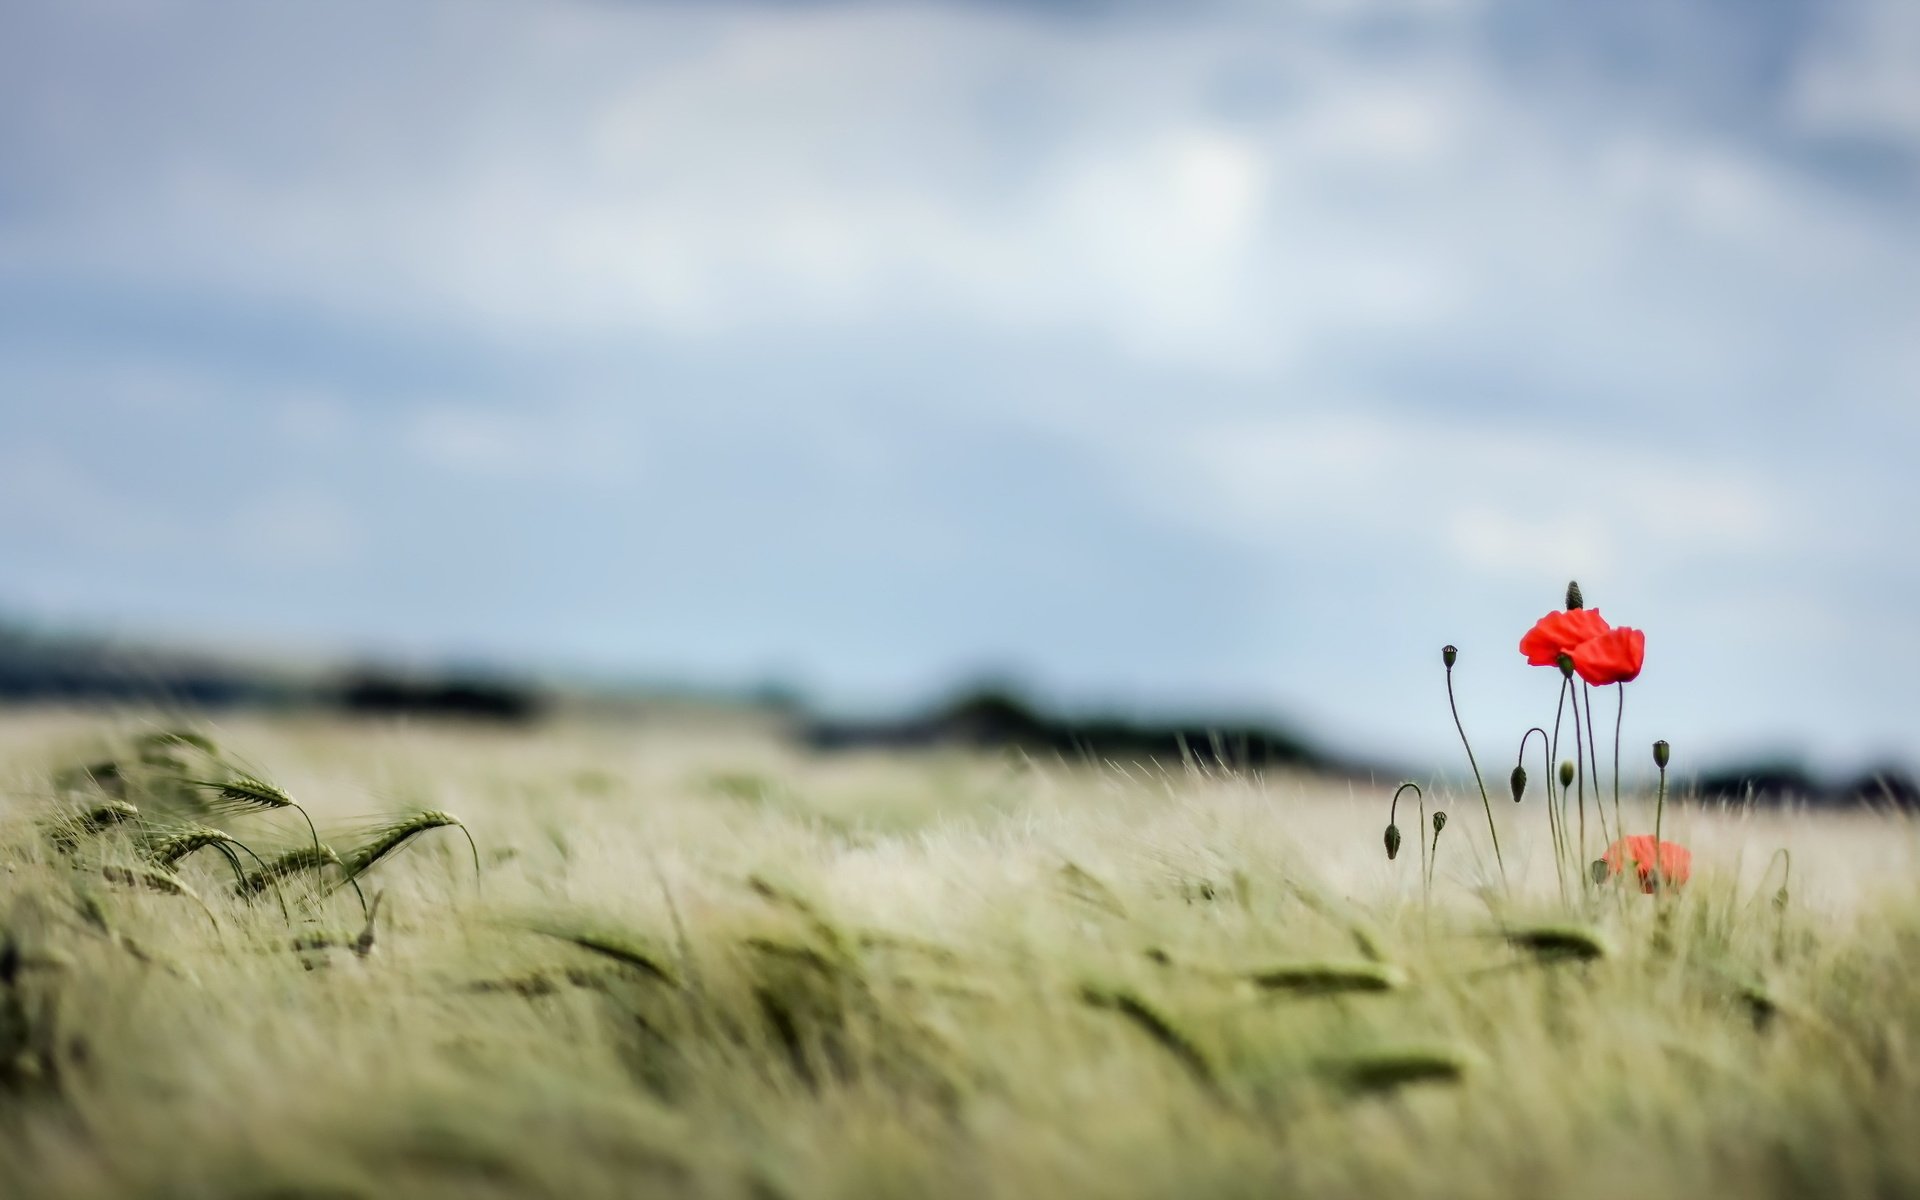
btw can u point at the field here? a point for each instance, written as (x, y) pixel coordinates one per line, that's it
(695, 962)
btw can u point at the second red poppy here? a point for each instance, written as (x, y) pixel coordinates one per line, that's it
(1613, 657)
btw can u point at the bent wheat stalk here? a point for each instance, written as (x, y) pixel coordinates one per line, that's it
(157, 879)
(167, 851)
(294, 862)
(389, 838)
(247, 791)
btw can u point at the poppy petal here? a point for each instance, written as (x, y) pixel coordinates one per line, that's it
(1615, 656)
(1559, 632)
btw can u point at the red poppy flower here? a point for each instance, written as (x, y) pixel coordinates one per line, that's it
(1613, 657)
(1559, 632)
(1675, 861)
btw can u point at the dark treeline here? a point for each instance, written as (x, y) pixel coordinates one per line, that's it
(72, 670)
(995, 718)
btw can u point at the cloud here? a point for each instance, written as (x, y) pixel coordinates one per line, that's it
(1151, 342)
(1856, 75)
(1510, 504)
(832, 167)
(559, 440)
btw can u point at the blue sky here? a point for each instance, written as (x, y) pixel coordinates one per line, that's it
(1219, 356)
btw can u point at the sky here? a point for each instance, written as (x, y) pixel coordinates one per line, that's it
(1202, 357)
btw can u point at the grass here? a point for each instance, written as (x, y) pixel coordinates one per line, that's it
(957, 976)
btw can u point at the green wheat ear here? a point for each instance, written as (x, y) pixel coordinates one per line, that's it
(607, 944)
(1152, 1022)
(293, 862)
(248, 791)
(1384, 1070)
(1329, 978)
(155, 879)
(389, 838)
(66, 833)
(161, 739)
(167, 850)
(1560, 943)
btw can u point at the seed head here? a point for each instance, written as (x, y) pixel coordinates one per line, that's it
(1661, 752)
(1448, 654)
(1519, 782)
(1439, 822)
(1574, 599)
(1566, 666)
(1600, 870)
(1393, 842)
(1566, 773)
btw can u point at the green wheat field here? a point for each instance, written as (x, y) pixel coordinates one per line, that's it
(692, 961)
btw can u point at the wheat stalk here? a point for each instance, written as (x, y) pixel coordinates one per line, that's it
(1560, 943)
(293, 862)
(1386, 1069)
(1155, 1025)
(389, 838)
(66, 834)
(1329, 978)
(153, 878)
(167, 851)
(608, 945)
(247, 791)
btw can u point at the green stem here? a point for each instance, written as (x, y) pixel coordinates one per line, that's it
(1580, 776)
(1618, 716)
(1593, 755)
(1393, 814)
(1659, 811)
(1433, 861)
(1593, 770)
(1553, 755)
(1492, 830)
(1553, 828)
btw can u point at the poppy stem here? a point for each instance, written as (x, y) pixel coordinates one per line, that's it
(1593, 769)
(1553, 756)
(1492, 829)
(1553, 828)
(1434, 859)
(1619, 715)
(1579, 752)
(1426, 873)
(1426, 877)
(1393, 836)
(1659, 811)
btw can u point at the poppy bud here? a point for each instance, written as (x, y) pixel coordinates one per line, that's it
(1519, 781)
(1448, 654)
(1574, 599)
(1393, 842)
(1439, 822)
(1600, 870)
(1661, 751)
(1566, 773)
(1566, 665)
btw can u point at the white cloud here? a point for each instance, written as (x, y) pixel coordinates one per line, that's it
(832, 169)
(1857, 73)
(551, 442)
(1507, 504)
(299, 528)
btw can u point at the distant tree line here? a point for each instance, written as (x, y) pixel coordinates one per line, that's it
(37, 668)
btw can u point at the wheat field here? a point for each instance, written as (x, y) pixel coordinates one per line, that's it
(689, 960)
